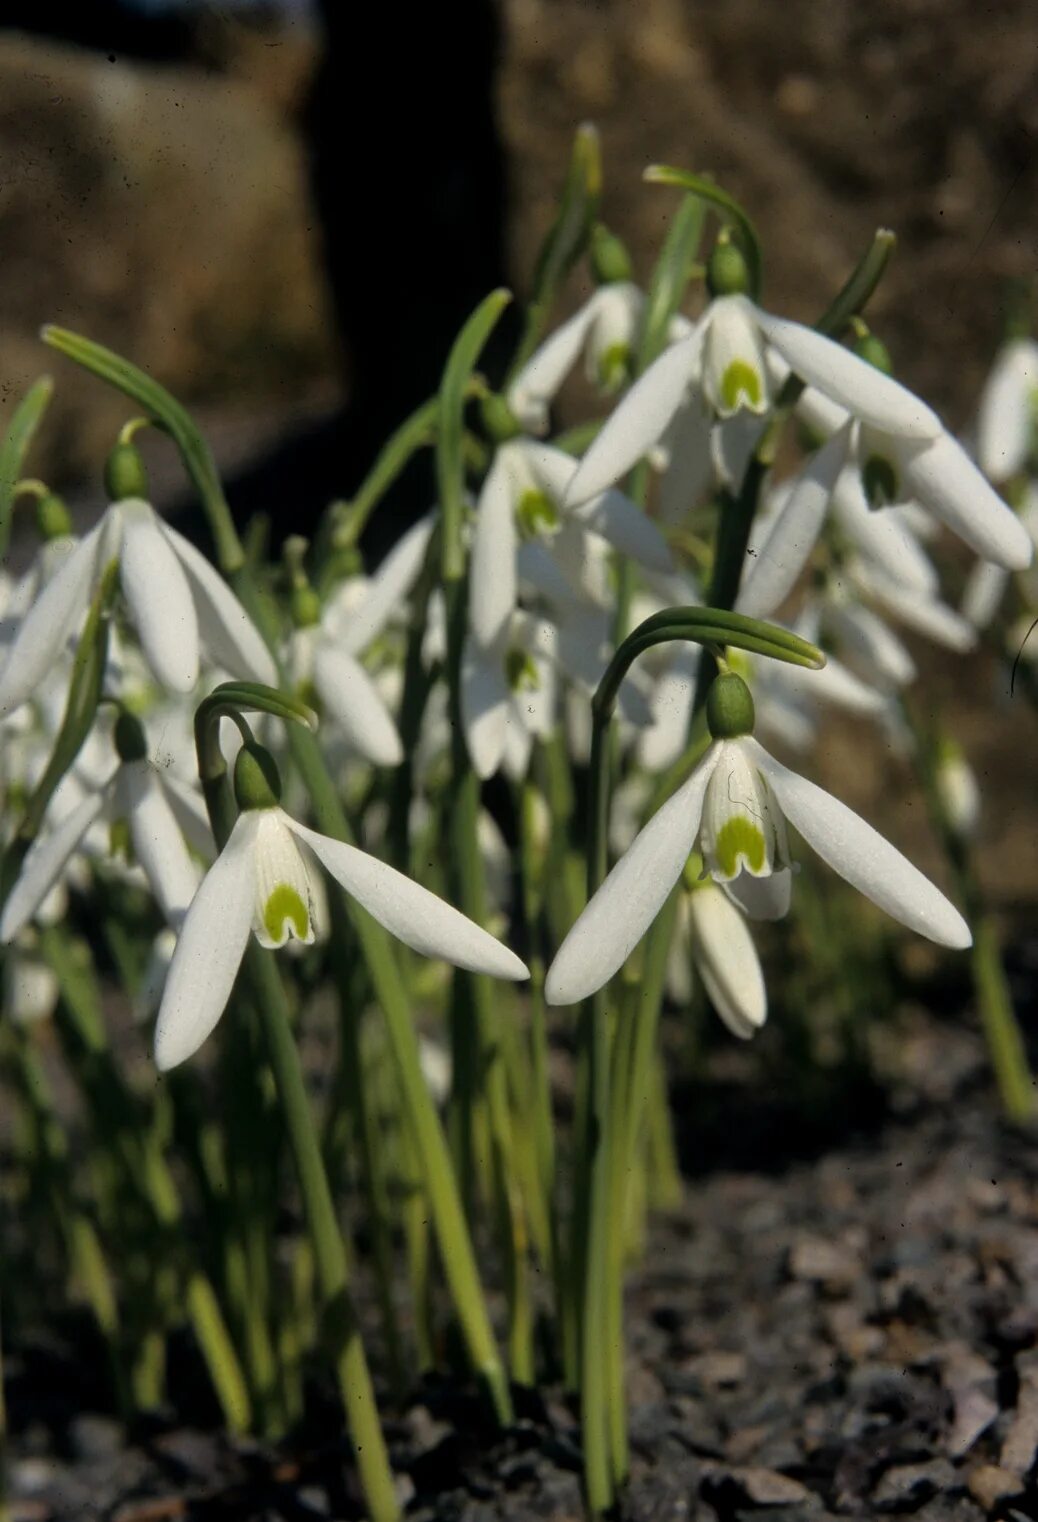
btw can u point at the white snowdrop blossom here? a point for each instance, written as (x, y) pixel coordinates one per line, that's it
(161, 815)
(262, 883)
(180, 607)
(605, 328)
(1008, 410)
(733, 809)
(509, 695)
(522, 498)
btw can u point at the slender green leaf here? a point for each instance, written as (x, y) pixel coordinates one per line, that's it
(15, 447)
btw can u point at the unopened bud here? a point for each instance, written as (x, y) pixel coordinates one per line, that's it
(125, 475)
(729, 707)
(52, 517)
(610, 261)
(726, 271)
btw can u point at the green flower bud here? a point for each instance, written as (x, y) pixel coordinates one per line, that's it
(875, 352)
(610, 261)
(726, 270)
(52, 517)
(498, 420)
(729, 707)
(257, 782)
(305, 606)
(130, 741)
(125, 475)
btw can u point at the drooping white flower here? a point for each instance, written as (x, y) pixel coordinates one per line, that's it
(934, 471)
(522, 496)
(509, 695)
(726, 357)
(605, 327)
(261, 884)
(180, 607)
(1008, 410)
(733, 809)
(161, 815)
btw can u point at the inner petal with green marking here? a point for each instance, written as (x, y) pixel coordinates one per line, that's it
(742, 830)
(284, 898)
(285, 915)
(741, 386)
(536, 514)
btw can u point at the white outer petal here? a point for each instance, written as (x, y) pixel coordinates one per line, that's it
(48, 624)
(640, 419)
(864, 635)
(788, 547)
(629, 530)
(414, 915)
(229, 637)
(727, 961)
(635, 891)
(157, 841)
(535, 386)
(1004, 417)
(984, 590)
(210, 947)
(386, 590)
(867, 393)
(689, 471)
(762, 898)
(44, 863)
(882, 537)
(493, 575)
(945, 480)
(926, 615)
(861, 855)
(351, 697)
(484, 706)
(156, 587)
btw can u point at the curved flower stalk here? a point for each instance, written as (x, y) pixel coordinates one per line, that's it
(181, 608)
(523, 494)
(733, 809)
(261, 884)
(605, 328)
(1008, 411)
(160, 816)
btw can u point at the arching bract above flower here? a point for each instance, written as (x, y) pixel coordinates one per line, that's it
(261, 884)
(181, 608)
(733, 809)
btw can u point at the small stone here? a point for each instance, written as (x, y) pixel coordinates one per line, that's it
(908, 1485)
(719, 1370)
(820, 1261)
(989, 1485)
(974, 1413)
(1021, 1444)
(757, 1485)
(95, 1437)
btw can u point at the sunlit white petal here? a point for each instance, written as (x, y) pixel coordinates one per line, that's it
(157, 590)
(635, 891)
(860, 855)
(410, 912)
(945, 479)
(209, 950)
(492, 574)
(46, 860)
(353, 700)
(229, 637)
(727, 961)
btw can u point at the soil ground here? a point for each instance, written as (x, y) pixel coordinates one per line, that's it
(841, 1320)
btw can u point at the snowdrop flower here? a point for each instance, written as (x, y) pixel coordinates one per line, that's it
(157, 812)
(711, 936)
(262, 883)
(733, 809)
(521, 496)
(931, 469)
(180, 607)
(1008, 410)
(725, 357)
(605, 328)
(508, 695)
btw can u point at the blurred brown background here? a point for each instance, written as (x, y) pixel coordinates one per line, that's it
(279, 229)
